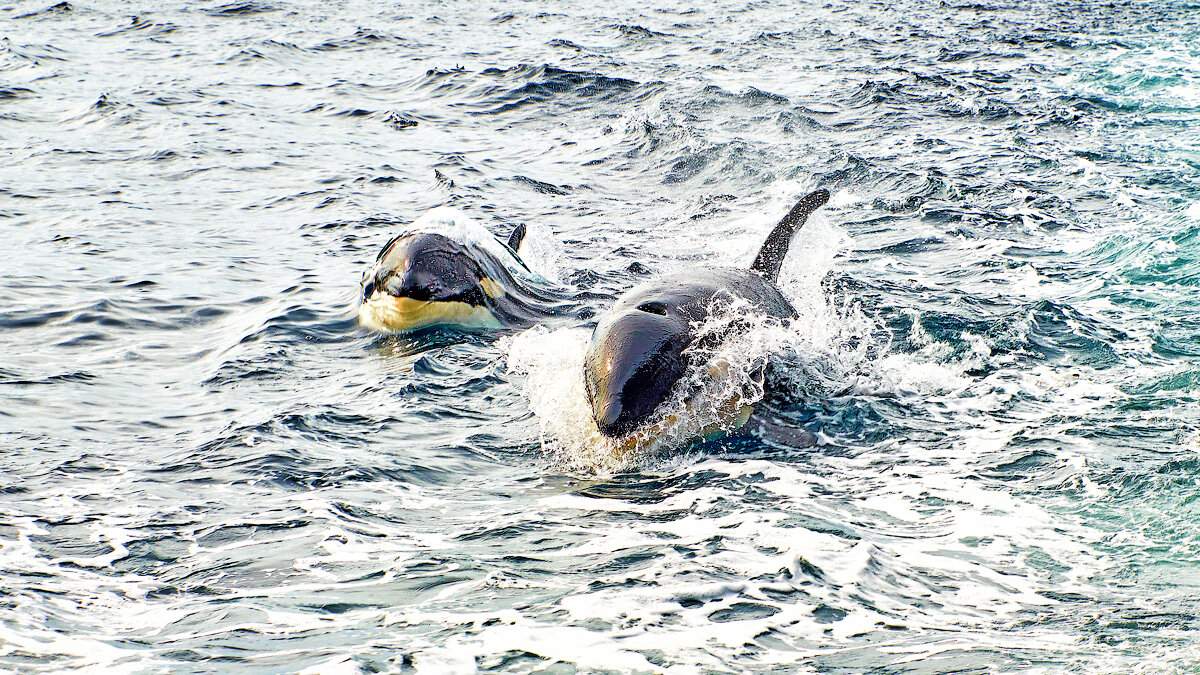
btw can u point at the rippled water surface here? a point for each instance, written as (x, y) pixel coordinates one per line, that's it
(208, 467)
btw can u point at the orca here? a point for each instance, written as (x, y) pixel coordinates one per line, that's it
(425, 279)
(643, 346)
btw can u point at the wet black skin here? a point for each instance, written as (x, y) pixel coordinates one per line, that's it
(434, 268)
(438, 270)
(639, 349)
(636, 355)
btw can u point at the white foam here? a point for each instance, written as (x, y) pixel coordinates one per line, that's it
(821, 350)
(552, 363)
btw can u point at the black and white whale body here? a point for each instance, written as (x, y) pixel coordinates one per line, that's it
(639, 350)
(430, 279)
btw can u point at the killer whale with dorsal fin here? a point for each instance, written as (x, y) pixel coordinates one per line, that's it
(639, 349)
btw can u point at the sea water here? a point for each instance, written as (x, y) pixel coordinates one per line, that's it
(978, 452)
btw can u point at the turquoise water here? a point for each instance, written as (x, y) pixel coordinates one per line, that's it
(209, 468)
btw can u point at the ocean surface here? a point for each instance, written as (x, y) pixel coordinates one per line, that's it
(978, 450)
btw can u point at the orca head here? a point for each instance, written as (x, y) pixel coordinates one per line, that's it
(632, 364)
(426, 279)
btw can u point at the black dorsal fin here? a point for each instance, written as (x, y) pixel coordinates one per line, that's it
(771, 255)
(514, 239)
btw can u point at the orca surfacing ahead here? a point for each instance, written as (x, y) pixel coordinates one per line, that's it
(639, 348)
(429, 279)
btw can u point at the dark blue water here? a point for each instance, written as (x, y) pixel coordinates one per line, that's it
(208, 467)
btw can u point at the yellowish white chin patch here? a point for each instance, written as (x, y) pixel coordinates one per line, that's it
(388, 313)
